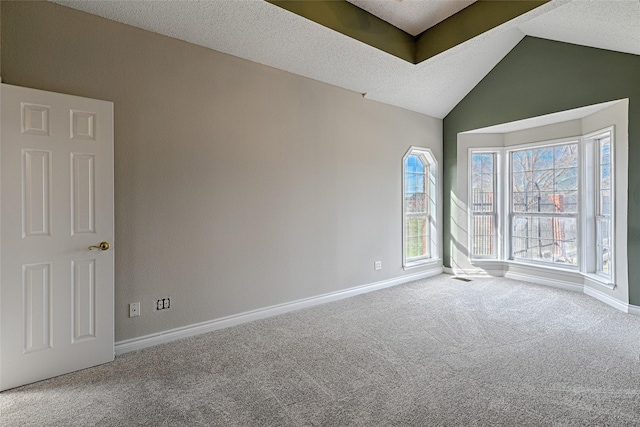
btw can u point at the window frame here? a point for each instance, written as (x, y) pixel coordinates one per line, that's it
(431, 208)
(511, 214)
(497, 205)
(586, 218)
(592, 142)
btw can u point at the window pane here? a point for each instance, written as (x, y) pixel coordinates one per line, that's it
(415, 203)
(409, 185)
(605, 202)
(566, 156)
(605, 176)
(605, 170)
(603, 222)
(605, 260)
(415, 226)
(548, 239)
(520, 180)
(603, 243)
(605, 150)
(483, 236)
(415, 183)
(410, 164)
(566, 179)
(416, 247)
(482, 202)
(483, 176)
(483, 182)
(419, 195)
(603, 231)
(545, 179)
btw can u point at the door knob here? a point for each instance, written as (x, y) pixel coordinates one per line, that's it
(104, 246)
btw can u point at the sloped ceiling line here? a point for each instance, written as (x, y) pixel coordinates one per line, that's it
(267, 34)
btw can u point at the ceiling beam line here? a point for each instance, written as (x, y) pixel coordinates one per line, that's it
(350, 20)
(470, 22)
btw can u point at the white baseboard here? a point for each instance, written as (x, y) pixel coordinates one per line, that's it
(562, 284)
(634, 309)
(601, 296)
(133, 344)
(556, 283)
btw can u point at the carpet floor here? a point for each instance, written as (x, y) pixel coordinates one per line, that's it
(433, 352)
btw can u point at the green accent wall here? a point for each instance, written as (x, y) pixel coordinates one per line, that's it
(541, 77)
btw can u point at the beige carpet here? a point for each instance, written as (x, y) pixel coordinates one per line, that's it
(434, 352)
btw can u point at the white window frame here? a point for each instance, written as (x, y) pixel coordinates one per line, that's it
(497, 203)
(509, 203)
(431, 209)
(593, 260)
(586, 217)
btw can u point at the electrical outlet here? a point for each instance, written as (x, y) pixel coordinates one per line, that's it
(134, 309)
(163, 303)
(377, 265)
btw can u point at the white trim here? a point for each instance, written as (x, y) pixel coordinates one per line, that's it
(134, 344)
(432, 207)
(497, 202)
(562, 284)
(426, 262)
(634, 309)
(552, 282)
(601, 296)
(597, 281)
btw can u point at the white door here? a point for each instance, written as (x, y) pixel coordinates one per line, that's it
(56, 200)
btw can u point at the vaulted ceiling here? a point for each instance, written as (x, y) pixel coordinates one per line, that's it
(446, 46)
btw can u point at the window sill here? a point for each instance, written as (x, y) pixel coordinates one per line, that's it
(545, 266)
(593, 278)
(600, 280)
(421, 263)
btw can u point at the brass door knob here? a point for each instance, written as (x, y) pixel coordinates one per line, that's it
(103, 246)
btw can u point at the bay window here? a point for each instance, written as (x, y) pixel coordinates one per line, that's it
(552, 205)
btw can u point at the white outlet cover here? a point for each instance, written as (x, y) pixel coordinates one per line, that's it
(134, 309)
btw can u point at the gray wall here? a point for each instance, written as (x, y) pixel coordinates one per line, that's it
(539, 77)
(238, 186)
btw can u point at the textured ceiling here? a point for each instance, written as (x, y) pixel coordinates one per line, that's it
(267, 34)
(412, 16)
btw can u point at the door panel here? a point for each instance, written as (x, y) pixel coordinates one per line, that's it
(56, 200)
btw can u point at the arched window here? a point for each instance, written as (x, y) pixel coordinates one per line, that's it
(419, 174)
